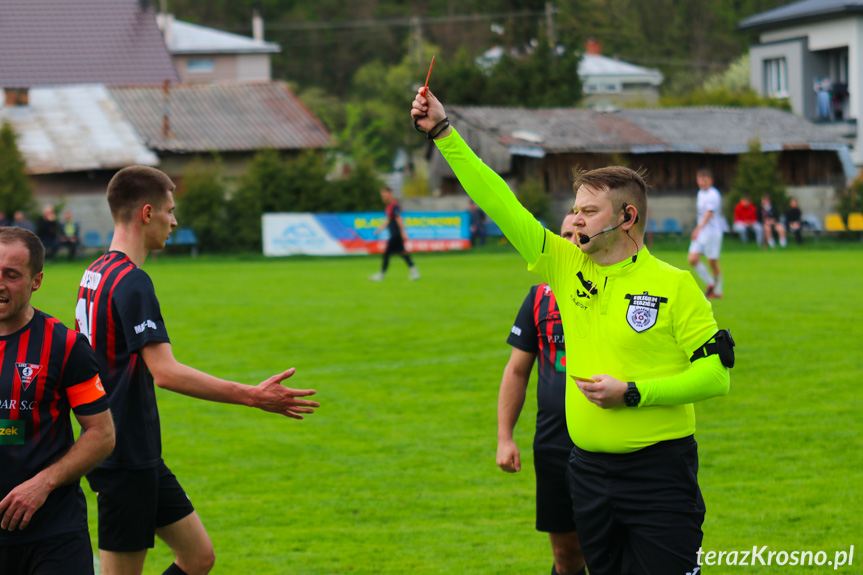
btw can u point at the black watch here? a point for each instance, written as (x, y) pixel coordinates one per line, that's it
(632, 397)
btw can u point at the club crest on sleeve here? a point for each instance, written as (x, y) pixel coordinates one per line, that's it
(27, 372)
(643, 310)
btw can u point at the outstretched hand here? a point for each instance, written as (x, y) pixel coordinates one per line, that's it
(427, 110)
(272, 396)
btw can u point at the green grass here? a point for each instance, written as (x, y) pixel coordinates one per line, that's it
(396, 471)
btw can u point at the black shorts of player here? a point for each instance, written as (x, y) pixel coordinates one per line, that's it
(64, 554)
(133, 503)
(553, 502)
(639, 513)
(395, 244)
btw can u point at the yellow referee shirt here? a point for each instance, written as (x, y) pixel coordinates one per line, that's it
(635, 320)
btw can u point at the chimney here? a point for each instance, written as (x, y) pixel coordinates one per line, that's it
(593, 47)
(165, 22)
(257, 25)
(17, 96)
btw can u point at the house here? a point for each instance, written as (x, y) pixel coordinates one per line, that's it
(809, 52)
(206, 55)
(611, 82)
(235, 120)
(670, 143)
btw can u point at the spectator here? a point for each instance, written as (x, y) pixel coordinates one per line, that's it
(48, 230)
(770, 222)
(3, 220)
(746, 217)
(70, 234)
(19, 220)
(793, 219)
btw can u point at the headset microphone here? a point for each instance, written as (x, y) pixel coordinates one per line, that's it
(584, 239)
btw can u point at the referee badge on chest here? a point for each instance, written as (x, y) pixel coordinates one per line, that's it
(643, 310)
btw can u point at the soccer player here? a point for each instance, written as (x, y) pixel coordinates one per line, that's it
(398, 237)
(642, 347)
(707, 235)
(46, 371)
(138, 496)
(538, 329)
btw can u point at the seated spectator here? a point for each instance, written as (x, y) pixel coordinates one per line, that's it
(70, 234)
(3, 220)
(770, 222)
(745, 218)
(20, 220)
(48, 230)
(793, 219)
(477, 224)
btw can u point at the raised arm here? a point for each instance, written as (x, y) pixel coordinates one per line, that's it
(269, 395)
(487, 189)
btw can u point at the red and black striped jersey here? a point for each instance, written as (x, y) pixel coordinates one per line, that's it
(118, 312)
(46, 371)
(538, 330)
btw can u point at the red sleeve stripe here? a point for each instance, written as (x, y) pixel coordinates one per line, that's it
(86, 392)
(45, 359)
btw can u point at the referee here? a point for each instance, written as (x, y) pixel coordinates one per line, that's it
(538, 332)
(643, 347)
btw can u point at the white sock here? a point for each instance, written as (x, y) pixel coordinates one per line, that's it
(718, 288)
(704, 273)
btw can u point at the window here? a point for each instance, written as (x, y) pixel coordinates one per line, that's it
(776, 78)
(200, 66)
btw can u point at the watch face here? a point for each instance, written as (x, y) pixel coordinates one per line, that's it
(632, 397)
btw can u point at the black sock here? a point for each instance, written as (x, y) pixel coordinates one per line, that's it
(174, 570)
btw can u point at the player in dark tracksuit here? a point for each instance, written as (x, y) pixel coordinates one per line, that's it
(538, 332)
(398, 238)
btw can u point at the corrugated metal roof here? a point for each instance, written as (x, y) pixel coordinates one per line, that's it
(800, 11)
(75, 128)
(227, 118)
(683, 130)
(187, 38)
(62, 42)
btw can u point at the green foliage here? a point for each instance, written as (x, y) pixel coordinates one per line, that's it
(15, 190)
(258, 186)
(757, 174)
(358, 192)
(747, 98)
(851, 198)
(202, 206)
(734, 79)
(533, 196)
(545, 77)
(417, 184)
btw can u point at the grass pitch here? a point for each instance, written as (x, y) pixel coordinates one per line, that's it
(396, 471)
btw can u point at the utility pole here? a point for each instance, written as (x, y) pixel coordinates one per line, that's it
(416, 41)
(550, 11)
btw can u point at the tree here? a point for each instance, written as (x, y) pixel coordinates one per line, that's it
(757, 174)
(202, 205)
(15, 190)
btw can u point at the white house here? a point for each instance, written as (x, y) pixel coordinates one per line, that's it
(811, 52)
(608, 81)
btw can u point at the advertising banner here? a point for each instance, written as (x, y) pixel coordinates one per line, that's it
(354, 233)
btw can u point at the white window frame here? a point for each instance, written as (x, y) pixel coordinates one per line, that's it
(776, 77)
(201, 66)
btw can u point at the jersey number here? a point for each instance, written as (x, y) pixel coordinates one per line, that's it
(82, 318)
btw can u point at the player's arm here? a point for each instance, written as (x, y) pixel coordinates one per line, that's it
(94, 444)
(269, 395)
(510, 400)
(402, 230)
(487, 189)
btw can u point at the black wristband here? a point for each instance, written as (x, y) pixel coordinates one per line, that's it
(438, 129)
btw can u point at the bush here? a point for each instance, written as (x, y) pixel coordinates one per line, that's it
(533, 197)
(757, 174)
(203, 206)
(15, 190)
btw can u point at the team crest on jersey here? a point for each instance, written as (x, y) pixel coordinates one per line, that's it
(27, 372)
(643, 310)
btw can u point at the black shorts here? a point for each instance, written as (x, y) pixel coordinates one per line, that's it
(639, 513)
(65, 554)
(395, 244)
(133, 503)
(553, 502)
